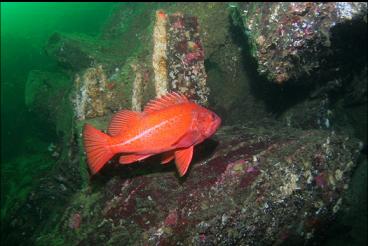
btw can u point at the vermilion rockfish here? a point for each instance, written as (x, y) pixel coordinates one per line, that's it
(171, 125)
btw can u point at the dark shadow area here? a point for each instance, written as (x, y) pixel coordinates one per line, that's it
(348, 57)
(277, 98)
(152, 164)
(349, 43)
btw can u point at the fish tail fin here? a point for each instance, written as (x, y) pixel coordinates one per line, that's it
(97, 146)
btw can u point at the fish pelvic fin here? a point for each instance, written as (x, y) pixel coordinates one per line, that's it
(183, 158)
(97, 146)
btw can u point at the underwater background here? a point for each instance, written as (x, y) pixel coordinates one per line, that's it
(288, 166)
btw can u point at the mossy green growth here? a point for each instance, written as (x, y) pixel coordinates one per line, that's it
(86, 205)
(121, 234)
(64, 115)
(40, 84)
(19, 177)
(79, 51)
(54, 239)
(100, 123)
(240, 14)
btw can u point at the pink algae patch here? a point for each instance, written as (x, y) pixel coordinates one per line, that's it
(172, 218)
(193, 56)
(251, 169)
(111, 85)
(249, 177)
(178, 24)
(75, 221)
(321, 180)
(202, 237)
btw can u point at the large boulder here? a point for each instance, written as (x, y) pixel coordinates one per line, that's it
(41, 90)
(76, 51)
(250, 185)
(291, 41)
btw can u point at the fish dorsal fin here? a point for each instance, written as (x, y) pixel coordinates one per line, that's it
(183, 158)
(122, 120)
(164, 102)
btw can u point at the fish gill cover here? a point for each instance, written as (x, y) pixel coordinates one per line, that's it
(289, 81)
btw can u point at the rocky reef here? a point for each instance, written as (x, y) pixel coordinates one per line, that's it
(178, 57)
(247, 185)
(186, 58)
(293, 104)
(40, 92)
(291, 41)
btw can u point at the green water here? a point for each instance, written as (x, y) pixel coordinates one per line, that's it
(25, 29)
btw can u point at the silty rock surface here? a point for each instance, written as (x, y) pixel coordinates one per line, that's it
(76, 51)
(178, 56)
(186, 58)
(292, 40)
(39, 86)
(248, 186)
(41, 89)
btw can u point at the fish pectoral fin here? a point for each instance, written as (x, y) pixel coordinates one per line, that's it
(127, 159)
(167, 157)
(183, 158)
(186, 140)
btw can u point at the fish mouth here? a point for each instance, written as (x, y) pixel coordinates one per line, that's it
(217, 123)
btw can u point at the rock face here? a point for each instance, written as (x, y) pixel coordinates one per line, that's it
(248, 186)
(178, 57)
(43, 192)
(256, 183)
(104, 84)
(76, 52)
(40, 92)
(186, 58)
(96, 94)
(293, 40)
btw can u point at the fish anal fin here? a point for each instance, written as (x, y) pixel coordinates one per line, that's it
(127, 159)
(167, 157)
(183, 158)
(165, 101)
(122, 120)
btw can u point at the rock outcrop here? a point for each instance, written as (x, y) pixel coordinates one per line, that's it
(246, 186)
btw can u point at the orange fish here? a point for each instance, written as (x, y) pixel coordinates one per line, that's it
(171, 125)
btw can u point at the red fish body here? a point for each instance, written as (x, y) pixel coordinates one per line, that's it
(171, 125)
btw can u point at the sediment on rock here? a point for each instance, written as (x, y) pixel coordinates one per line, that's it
(237, 184)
